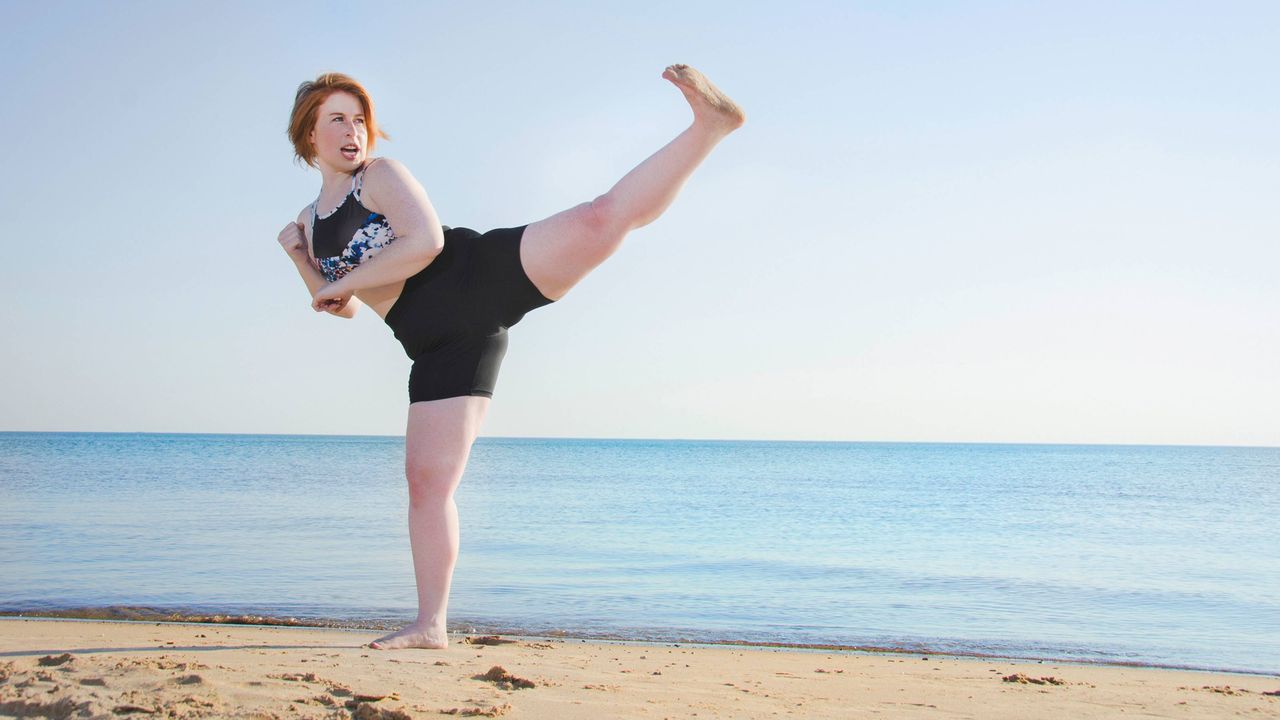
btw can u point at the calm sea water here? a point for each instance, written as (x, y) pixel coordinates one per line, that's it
(1156, 555)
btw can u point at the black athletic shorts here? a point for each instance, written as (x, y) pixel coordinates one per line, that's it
(452, 317)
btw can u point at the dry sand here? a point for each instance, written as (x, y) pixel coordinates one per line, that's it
(84, 669)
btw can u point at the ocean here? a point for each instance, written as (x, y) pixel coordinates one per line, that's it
(1148, 555)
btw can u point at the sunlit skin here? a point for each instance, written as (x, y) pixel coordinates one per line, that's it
(556, 253)
(339, 122)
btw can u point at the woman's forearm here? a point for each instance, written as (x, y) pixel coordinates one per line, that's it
(316, 280)
(396, 261)
(310, 275)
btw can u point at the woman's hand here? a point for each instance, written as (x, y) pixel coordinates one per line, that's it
(331, 298)
(294, 241)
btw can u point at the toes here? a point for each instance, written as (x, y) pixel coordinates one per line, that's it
(679, 72)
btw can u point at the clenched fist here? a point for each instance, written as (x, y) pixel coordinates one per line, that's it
(294, 241)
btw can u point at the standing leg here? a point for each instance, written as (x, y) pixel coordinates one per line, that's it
(437, 444)
(559, 251)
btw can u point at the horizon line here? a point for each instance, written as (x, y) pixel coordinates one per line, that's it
(659, 439)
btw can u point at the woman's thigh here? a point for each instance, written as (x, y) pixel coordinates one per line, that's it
(559, 251)
(438, 442)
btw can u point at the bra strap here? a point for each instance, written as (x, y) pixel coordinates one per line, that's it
(357, 183)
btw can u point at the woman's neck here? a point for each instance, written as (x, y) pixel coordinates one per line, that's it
(335, 182)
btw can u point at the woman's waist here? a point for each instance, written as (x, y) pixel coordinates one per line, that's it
(440, 287)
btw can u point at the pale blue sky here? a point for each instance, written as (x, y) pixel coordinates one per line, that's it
(983, 221)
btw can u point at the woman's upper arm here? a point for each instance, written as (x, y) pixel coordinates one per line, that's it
(393, 192)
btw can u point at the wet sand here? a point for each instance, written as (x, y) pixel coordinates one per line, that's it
(88, 669)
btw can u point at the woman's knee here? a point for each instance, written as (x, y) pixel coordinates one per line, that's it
(432, 480)
(607, 218)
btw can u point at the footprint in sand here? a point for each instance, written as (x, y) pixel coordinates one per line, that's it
(493, 711)
(1024, 679)
(50, 660)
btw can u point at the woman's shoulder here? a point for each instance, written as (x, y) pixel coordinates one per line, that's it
(304, 215)
(384, 169)
(385, 179)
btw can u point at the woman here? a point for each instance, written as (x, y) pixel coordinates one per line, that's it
(449, 294)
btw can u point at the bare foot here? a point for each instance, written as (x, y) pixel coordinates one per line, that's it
(709, 104)
(413, 636)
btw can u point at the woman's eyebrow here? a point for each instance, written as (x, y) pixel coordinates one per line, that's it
(339, 113)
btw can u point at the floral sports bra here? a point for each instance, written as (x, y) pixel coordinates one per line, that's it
(349, 235)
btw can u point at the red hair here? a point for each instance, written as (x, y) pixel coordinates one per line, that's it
(306, 105)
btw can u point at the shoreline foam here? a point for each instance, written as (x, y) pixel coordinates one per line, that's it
(143, 614)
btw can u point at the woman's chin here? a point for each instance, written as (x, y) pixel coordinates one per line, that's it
(342, 163)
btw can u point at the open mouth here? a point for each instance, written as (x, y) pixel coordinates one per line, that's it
(350, 151)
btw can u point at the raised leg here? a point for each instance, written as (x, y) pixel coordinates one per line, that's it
(437, 444)
(559, 251)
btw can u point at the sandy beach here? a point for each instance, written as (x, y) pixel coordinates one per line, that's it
(87, 669)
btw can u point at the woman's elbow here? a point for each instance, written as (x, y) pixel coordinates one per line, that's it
(430, 248)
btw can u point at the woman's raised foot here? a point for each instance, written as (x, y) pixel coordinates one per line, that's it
(710, 105)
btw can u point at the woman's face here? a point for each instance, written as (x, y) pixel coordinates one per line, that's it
(339, 137)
